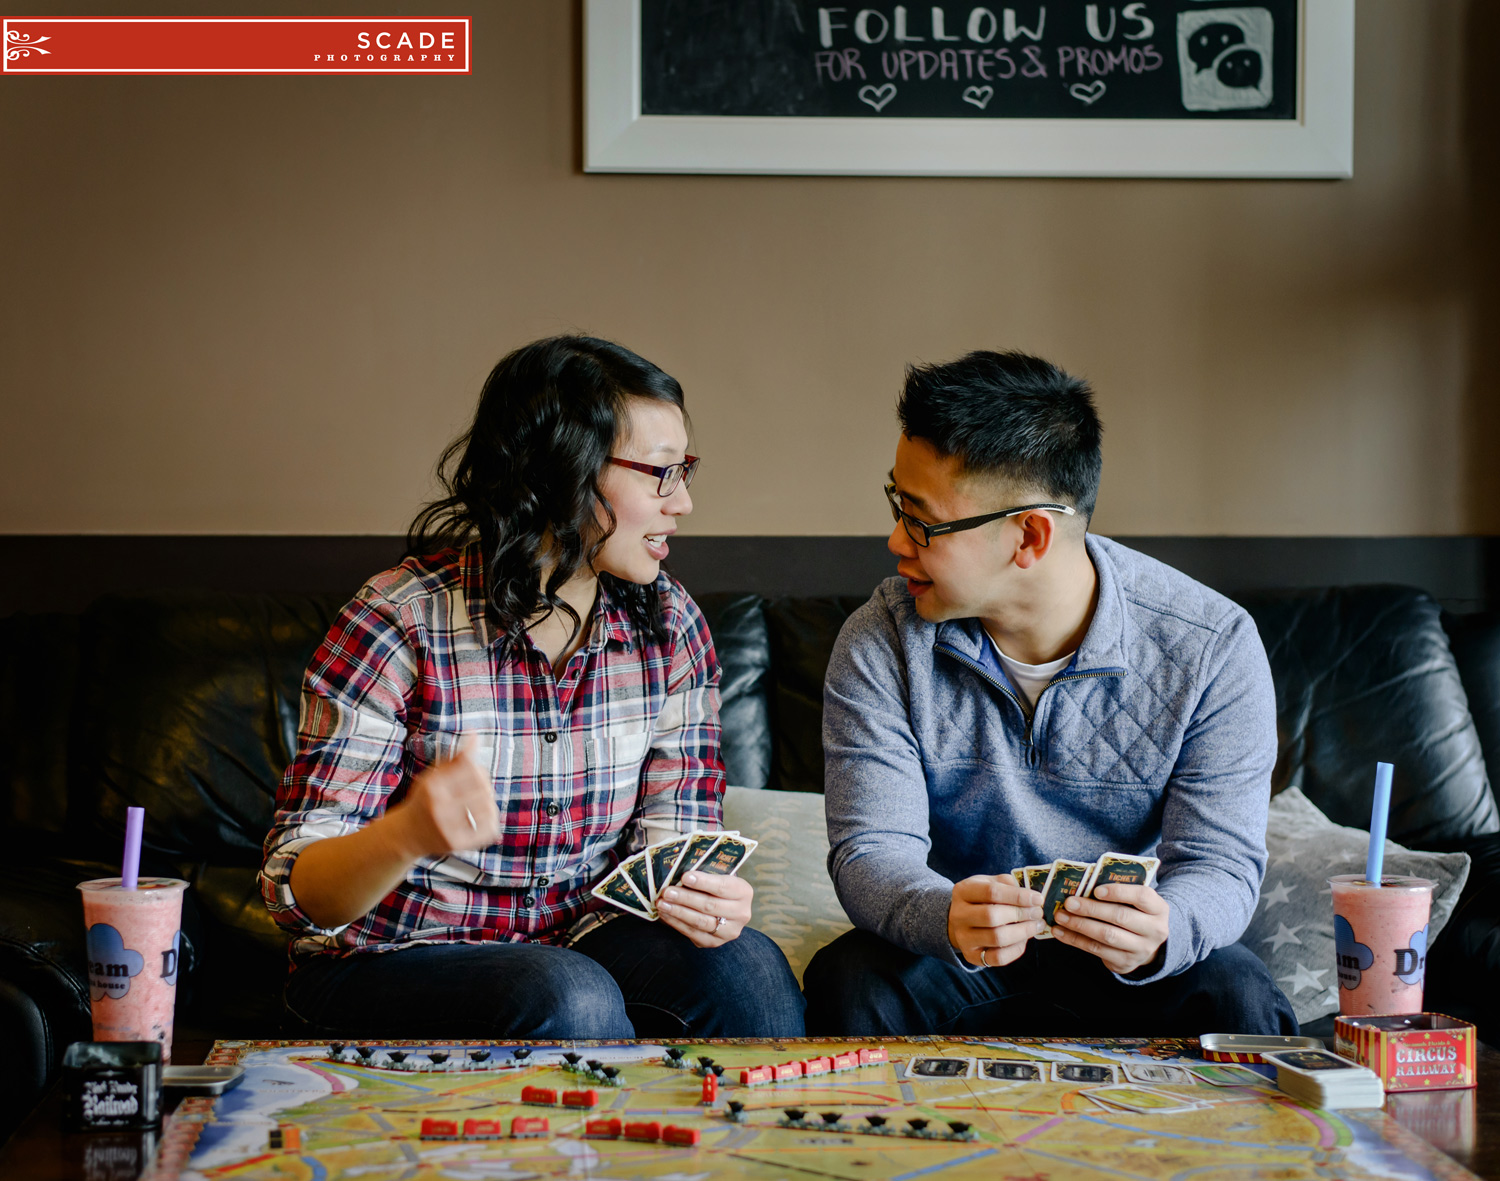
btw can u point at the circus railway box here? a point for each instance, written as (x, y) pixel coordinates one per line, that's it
(1410, 1051)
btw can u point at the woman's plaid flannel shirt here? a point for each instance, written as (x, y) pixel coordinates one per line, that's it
(627, 736)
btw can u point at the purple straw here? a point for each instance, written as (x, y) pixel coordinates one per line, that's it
(130, 868)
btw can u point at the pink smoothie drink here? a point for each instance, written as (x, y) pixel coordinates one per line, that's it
(134, 944)
(1380, 934)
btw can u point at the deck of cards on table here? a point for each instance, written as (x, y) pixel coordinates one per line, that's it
(1062, 879)
(637, 882)
(1316, 1078)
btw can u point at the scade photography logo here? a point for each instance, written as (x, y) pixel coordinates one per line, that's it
(236, 45)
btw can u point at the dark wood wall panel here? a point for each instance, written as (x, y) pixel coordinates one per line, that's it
(62, 573)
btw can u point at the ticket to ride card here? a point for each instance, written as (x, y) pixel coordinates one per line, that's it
(661, 860)
(939, 1068)
(1065, 879)
(1011, 1070)
(1157, 1072)
(617, 891)
(1096, 1073)
(1140, 1099)
(698, 845)
(1227, 1074)
(726, 854)
(1123, 869)
(636, 870)
(1034, 877)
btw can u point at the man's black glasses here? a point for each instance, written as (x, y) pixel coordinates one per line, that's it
(922, 533)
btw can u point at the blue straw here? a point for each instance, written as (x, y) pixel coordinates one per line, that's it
(1379, 811)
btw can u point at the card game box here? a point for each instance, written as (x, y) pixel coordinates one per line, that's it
(1411, 1051)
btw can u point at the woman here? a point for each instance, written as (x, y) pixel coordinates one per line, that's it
(491, 725)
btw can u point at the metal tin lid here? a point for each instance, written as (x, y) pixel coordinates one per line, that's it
(212, 1080)
(1248, 1047)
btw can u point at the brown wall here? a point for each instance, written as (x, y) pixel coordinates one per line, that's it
(262, 305)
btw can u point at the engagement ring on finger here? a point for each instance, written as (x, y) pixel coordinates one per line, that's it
(718, 924)
(984, 951)
(474, 824)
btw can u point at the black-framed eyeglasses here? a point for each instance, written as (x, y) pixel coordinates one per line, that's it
(922, 533)
(667, 477)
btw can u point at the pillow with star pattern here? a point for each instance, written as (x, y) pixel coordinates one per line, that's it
(1292, 930)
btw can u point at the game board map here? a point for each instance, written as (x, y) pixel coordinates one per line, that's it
(346, 1120)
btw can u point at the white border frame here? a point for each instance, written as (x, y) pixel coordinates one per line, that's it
(1319, 143)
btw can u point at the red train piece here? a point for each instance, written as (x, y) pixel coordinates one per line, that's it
(846, 1061)
(681, 1137)
(483, 1129)
(650, 1132)
(602, 1129)
(710, 1089)
(539, 1096)
(787, 1071)
(589, 1098)
(870, 1055)
(527, 1127)
(439, 1129)
(753, 1076)
(812, 1066)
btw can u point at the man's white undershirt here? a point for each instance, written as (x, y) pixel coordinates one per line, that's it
(1031, 679)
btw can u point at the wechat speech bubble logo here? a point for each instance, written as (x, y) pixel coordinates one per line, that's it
(1211, 40)
(1240, 69)
(1224, 58)
(1354, 958)
(111, 963)
(1411, 961)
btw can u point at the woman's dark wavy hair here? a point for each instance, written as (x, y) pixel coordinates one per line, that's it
(524, 479)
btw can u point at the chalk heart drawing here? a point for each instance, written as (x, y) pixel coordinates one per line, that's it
(979, 96)
(1087, 95)
(877, 96)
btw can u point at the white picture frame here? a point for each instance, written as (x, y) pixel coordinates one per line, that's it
(1319, 143)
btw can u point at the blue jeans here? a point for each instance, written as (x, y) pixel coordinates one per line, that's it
(626, 979)
(862, 986)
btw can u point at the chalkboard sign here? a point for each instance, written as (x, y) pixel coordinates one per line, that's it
(1061, 88)
(1158, 59)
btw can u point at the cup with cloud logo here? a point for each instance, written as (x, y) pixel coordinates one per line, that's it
(1354, 958)
(112, 965)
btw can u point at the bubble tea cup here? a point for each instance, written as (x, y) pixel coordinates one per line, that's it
(1380, 935)
(134, 947)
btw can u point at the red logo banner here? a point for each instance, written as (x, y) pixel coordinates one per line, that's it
(236, 45)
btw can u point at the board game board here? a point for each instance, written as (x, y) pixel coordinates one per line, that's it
(338, 1117)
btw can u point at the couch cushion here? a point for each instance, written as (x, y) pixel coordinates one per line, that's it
(38, 668)
(1292, 929)
(1475, 640)
(795, 903)
(738, 626)
(802, 632)
(1364, 674)
(187, 706)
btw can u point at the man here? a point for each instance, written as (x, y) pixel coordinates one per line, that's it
(1023, 692)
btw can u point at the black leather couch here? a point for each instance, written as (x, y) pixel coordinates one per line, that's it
(187, 704)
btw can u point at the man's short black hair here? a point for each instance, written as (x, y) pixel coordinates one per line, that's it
(1011, 415)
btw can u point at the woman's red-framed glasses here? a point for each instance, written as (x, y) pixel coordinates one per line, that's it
(667, 477)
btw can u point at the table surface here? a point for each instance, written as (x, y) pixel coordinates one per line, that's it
(1465, 1124)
